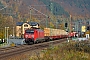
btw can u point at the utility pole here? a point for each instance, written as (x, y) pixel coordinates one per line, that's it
(51, 9)
(7, 34)
(30, 15)
(13, 32)
(77, 29)
(46, 19)
(12, 24)
(51, 5)
(70, 24)
(55, 18)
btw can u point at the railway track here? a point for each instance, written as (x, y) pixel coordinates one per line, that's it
(11, 51)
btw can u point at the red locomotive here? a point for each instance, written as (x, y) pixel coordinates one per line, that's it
(35, 35)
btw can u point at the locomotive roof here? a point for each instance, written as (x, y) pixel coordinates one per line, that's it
(30, 23)
(35, 29)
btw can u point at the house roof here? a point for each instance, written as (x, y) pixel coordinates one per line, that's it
(30, 23)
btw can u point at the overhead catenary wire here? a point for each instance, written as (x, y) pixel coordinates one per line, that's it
(38, 11)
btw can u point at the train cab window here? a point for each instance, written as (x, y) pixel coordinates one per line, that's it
(30, 31)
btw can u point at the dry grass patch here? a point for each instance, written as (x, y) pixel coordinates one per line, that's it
(67, 51)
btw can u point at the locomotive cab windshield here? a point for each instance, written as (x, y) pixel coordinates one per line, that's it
(30, 31)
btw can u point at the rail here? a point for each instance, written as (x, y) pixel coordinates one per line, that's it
(10, 51)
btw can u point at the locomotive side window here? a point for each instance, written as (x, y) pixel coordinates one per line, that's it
(30, 31)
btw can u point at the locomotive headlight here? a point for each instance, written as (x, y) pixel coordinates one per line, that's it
(32, 36)
(26, 36)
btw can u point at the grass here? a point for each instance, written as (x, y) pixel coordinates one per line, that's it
(4, 45)
(66, 51)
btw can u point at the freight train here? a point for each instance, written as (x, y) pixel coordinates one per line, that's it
(35, 35)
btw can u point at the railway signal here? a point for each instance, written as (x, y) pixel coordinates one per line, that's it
(88, 27)
(66, 24)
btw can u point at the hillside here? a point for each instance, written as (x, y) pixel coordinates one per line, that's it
(48, 13)
(76, 8)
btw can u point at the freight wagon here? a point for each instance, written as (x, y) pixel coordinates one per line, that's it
(55, 33)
